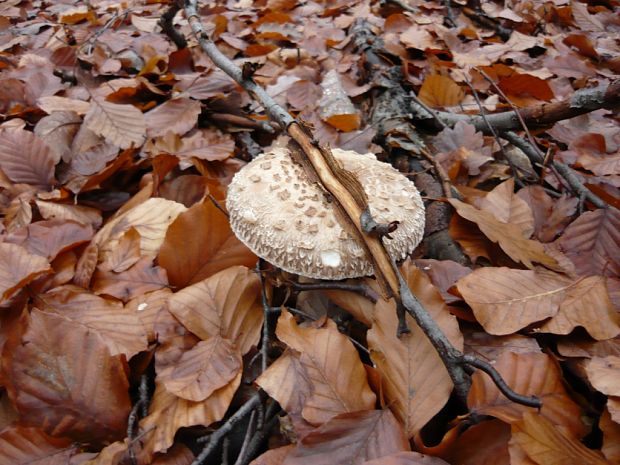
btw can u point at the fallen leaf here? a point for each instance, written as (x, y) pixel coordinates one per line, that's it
(350, 438)
(336, 374)
(19, 267)
(121, 125)
(141, 278)
(604, 374)
(483, 444)
(508, 208)
(335, 107)
(21, 446)
(62, 378)
(178, 115)
(440, 91)
(406, 458)
(529, 375)
(25, 158)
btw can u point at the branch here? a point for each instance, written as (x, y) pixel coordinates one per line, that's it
(330, 175)
(581, 102)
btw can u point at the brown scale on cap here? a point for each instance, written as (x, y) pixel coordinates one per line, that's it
(297, 229)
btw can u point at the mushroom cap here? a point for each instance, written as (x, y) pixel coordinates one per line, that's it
(284, 218)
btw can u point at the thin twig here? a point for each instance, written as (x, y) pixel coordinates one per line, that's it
(264, 347)
(530, 401)
(168, 27)
(216, 437)
(241, 458)
(361, 288)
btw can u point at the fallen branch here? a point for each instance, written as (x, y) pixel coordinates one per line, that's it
(350, 199)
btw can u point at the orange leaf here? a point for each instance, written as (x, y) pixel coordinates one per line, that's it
(60, 375)
(199, 243)
(350, 438)
(225, 304)
(417, 382)
(521, 85)
(504, 204)
(604, 374)
(546, 444)
(18, 267)
(126, 254)
(337, 377)
(335, 106)
(508, 236)
(483, 444)
(530, 375)
(208, 366)
(440, 91)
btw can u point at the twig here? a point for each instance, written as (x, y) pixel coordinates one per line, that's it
(241, 121)
(404, 6)
(362, 289)
(478, 16)
(258, 439)
(264, 347)
(241, 458)
(217, 436)
(530, 401)
(168, 27)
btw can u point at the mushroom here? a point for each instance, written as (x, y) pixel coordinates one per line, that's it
(289, 221)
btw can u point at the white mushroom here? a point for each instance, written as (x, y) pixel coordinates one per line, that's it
(287, 220)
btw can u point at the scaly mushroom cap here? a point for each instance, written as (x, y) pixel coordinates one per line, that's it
(285, 219)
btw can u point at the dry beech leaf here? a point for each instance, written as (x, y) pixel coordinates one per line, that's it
(586, 304)
(304, 95)
(273, 456)
(199, 243)
(407, 458)
(417, 384)
(226, 304)
(18, 267)
(86, 265)
(292, 394)
(141, 278)
(206, 367)
(334, 370)
(483, 444)
(584, 20)
(122, 125)
(508, 236)
(611, 437)
(52, 104)
(62, 376)
(21, 446)
(121, 330)
(51, 237)
(350, 438)
(504, 204)
(530, 375)
(126, 254)
(168, 413)
(150, 218)
(520, 85)
(178, 115)
(505, 300)
(152, 311)
(604, 374)
(592, 241)
(25, 158)
(546, 444)
(77, 213)
(440, 91)
(335, 107)
(58, 131)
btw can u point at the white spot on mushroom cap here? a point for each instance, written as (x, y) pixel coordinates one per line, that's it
(298, 231)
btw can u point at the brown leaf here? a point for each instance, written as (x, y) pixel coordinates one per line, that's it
(604, 374)
(77, 213)
(25, 158)
(150, 218)
(508, 208)
(208, 366)
(86, 266)
(584, 20)
(522, 85)
(611, 437)
(550, 216)
(350, 438)
(530, 375)
(199, 243)
(58, 130)
(546, 444)
(126, 254)
(61, 377)
(508, 236)
(23, 446)
(168, 413)
(178, 115)
(121, 330)
(225, 304)
(336, 374)
(52, 237)
(592, 241)
(18, 267)
(303, 95)
(274, 456)
(141, 278)
(587, 305)
(506, 300)
(440, 91)
(483, 444)
(121, 125)
(417, 384)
